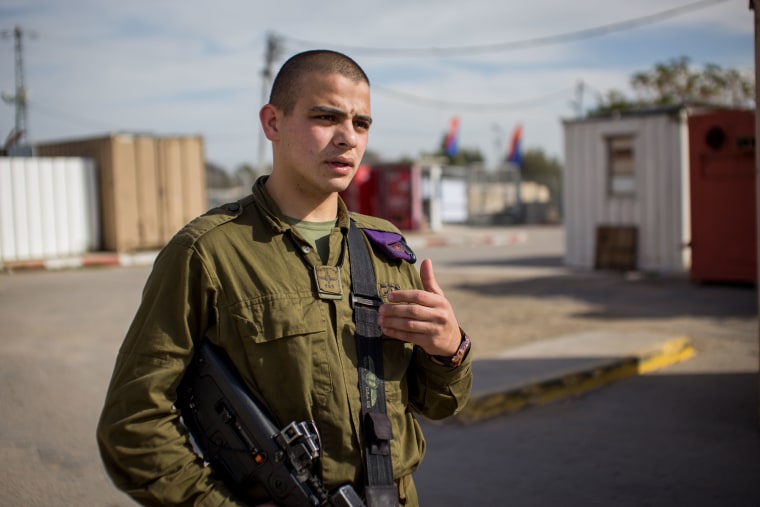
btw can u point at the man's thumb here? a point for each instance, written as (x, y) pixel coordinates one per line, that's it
(428, 277)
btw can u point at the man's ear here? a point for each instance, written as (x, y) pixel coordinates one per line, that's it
(270, 122)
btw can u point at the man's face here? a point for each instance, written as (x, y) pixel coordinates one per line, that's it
(323, 139)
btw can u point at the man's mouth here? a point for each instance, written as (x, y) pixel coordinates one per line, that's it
(341, 163)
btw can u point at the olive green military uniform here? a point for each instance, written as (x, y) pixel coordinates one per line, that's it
(240, 275)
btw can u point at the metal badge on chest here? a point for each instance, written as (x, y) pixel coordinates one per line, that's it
(328, 282)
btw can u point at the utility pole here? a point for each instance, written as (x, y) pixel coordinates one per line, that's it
(578, 102)
(273, 51)
(19, 138)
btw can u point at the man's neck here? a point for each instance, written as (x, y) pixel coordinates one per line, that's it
(299, 206)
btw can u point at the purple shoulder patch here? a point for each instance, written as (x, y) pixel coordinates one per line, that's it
(391, 244)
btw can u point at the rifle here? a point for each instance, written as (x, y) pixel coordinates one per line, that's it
(242, 444)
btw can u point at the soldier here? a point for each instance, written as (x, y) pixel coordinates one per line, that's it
(258, 278)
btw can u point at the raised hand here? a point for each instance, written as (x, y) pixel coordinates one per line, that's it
(423, 317)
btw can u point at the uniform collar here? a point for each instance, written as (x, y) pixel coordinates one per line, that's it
(274, 217)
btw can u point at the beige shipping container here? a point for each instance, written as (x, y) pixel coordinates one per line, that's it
(149, 186)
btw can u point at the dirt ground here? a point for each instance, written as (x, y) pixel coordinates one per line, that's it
(503, 312)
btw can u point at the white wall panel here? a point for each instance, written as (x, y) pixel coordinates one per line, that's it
(48, 208)
(7, 217)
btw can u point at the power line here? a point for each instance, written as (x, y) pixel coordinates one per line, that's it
(470, 106)
(527, 43)
(510, 46)
(57, 113)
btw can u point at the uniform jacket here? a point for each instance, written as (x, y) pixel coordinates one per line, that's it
(240, 276)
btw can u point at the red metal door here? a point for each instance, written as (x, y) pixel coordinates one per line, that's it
(723, 219)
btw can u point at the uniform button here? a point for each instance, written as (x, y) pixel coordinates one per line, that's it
(306, 249)
(233, 206)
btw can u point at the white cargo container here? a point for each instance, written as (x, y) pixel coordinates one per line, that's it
(48, 208)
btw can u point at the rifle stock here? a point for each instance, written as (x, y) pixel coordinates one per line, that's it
(242, 444)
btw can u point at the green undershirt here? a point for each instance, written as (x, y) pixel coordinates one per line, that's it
(316, 233)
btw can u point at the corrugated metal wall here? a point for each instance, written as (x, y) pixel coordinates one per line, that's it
(659, 207)
(48, 208)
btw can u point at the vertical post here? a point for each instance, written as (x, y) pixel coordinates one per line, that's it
(436, 220)
(21, 115)
(753, 6)
(20, 135)
(578, 102)
(272, 53)
(519, 210)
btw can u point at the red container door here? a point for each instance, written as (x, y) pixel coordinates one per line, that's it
(361, 194)
(389, 191)
(723, 216)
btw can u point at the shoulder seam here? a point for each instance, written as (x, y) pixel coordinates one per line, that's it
(213, 218)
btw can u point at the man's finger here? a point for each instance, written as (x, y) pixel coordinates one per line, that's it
(428, 278)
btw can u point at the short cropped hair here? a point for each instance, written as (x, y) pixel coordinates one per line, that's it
(287, 83)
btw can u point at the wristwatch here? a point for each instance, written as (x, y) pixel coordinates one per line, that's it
(459, 355)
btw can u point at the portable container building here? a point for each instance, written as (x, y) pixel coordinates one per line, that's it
(149, 186)
(626, 191)
(662, 190)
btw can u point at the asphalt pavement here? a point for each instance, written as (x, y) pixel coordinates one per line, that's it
(657, 408)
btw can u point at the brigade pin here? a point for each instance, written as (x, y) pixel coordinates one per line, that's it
(328, 282)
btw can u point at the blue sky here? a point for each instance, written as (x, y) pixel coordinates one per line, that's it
(189, 67)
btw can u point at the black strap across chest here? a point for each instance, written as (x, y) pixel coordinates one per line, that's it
(380, 489)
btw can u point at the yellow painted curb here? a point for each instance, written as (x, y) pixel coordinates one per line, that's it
(492, 404)
(671, 352)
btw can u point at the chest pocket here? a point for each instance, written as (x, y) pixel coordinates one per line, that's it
(271, 318)
(286, 343)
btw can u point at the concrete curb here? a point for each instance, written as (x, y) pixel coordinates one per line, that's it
(104, 259)
(572, 381)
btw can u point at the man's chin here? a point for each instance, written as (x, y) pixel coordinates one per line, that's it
(341, 183)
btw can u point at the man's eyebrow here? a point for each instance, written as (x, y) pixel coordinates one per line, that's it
(339, 112)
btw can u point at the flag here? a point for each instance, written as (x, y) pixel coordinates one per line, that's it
(515, 149)
(452, 138)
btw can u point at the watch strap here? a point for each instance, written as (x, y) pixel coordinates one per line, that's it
(459, 355)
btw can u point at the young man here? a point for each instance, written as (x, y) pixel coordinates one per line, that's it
(245, 277)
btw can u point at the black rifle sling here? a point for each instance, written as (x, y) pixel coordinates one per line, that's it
(380, 490)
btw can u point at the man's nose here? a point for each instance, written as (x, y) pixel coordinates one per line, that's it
(346, 136)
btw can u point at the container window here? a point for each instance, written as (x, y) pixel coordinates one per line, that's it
(621, 165)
